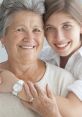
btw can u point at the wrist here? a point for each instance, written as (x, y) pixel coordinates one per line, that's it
(17, 87)
(19, 91)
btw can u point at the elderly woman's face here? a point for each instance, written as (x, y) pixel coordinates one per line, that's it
(24, 35)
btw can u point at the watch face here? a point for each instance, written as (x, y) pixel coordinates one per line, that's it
(17, 87)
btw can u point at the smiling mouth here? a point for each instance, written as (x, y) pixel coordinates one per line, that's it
(62, 45)
(27, 47)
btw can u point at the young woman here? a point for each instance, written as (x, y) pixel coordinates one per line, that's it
(63, 30)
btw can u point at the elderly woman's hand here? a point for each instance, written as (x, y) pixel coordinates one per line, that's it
(41, 102)
(7, 80)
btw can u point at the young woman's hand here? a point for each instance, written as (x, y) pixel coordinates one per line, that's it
(7, 80)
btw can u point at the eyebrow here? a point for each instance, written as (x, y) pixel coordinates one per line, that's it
(49, 25)
(66, 22)
(62, 23)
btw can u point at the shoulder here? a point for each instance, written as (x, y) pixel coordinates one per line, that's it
(76, 68)
(58, 72)
(58, 79)
(3, 65)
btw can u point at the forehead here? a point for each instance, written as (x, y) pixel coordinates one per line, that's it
(59, 18)
(25, 18)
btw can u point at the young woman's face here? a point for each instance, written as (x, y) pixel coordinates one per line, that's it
(24, 36)
(63, 33)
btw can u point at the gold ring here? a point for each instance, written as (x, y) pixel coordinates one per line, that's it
(31, 99)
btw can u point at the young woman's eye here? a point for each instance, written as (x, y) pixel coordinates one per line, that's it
(49, 29)
(67, 27)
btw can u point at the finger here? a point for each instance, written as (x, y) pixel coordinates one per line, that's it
(49, 92)
(28, 93)
(32, 89)
(39, 90)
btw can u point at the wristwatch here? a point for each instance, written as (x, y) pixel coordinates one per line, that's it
(17, 87)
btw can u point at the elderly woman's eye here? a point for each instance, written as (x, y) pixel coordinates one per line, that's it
(36, 30)
(20, 29)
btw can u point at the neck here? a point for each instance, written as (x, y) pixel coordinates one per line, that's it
(63, 61)
(19, 68)
(31, 71)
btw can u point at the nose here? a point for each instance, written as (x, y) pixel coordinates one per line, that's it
(28, 36)
(59, 36)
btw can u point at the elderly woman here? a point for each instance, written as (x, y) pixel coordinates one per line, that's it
(21, 32)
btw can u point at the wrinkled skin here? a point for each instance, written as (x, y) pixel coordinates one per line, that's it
(43, 102)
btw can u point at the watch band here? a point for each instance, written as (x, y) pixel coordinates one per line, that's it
(17, 87)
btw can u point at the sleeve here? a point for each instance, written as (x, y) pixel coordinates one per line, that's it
(76, 87)
(65, 79)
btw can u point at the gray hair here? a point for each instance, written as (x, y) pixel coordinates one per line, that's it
(8, 7)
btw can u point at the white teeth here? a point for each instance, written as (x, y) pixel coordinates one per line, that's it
(27, 47)
(62, 45)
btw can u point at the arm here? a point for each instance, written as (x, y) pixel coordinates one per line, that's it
(70, 106)
(42, 104)
(8, 79)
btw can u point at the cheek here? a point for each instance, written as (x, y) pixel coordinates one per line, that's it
(50, 37)
(68, 35)
(18, 36)
(11, 44)
(7, 43)
(40, 38)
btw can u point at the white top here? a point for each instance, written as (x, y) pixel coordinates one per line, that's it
(58, 80)
(74, 65)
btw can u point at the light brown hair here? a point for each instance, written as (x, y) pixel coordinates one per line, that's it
(71, 7)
